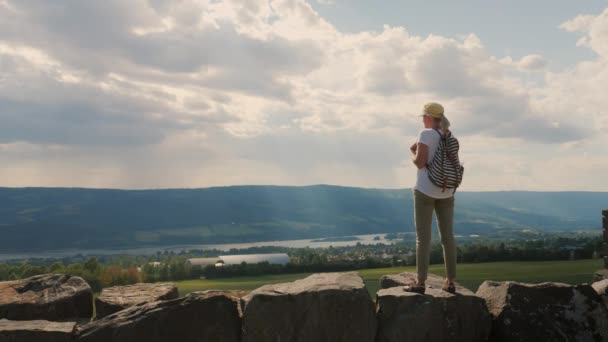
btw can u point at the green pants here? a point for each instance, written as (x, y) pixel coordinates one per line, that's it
(423, 217)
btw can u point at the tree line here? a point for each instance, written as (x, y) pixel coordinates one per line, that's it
(101, 272)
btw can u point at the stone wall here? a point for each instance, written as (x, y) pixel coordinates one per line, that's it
(603, 273)
(322, 307)
(605, 234)
(53, 297)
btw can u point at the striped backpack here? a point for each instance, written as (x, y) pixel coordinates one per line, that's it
(445, 171)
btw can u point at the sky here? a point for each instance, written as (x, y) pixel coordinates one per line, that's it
(196, 93)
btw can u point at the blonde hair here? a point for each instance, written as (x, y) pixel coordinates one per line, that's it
(442, 123)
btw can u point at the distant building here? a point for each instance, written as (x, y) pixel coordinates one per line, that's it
(204, 261)
(154, 263)
(274, 258)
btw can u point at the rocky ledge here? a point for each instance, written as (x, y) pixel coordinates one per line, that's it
(436, 316)
(199, 316)
(545, 312)
(114, 299)
(34, 331)
(407, 278)
(600, 275)
(322, 307)
(53, 297)
(601, 287)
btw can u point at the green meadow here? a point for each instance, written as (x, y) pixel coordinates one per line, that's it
(469, 275)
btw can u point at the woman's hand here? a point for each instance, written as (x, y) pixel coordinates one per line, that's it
(421, 156)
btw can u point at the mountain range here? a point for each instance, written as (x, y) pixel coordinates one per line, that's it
(35, 219)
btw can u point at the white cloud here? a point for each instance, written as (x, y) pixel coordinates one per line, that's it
(578, 94)
(196, 93)
(594, 30)
(532, 62)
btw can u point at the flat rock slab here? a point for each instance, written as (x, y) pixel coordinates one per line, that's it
(36, 331)
(407, 278)
(53, 297)
(435, 316)
(330, 307)
(116, 298)
(197, 317)
(545, 312)
(601, 287)
(600, 275)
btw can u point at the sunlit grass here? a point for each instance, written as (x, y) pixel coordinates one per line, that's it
(469, 275)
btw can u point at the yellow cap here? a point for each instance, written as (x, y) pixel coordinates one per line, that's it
(433, 109)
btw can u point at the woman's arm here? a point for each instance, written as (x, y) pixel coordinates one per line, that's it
(420, 155)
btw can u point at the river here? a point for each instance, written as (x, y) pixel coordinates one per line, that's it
(368, 239)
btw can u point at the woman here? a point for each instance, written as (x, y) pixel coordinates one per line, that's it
(428, 198)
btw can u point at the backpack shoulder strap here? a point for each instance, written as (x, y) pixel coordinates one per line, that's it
(447, 135)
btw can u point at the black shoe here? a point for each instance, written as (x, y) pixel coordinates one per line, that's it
(415, 288)
(451, 288)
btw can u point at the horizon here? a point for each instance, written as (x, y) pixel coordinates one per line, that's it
(288, 186)
(201, 93)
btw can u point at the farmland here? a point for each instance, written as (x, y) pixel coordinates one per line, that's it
(469, 275)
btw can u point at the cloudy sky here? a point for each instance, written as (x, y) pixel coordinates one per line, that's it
(196, 93)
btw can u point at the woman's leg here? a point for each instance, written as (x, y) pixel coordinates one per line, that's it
(423, 218)
(444, 208)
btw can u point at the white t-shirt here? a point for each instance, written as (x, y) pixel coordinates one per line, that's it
(430, 138)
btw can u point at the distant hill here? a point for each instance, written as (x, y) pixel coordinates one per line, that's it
(38, 219)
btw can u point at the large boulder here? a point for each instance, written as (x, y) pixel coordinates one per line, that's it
(435, 316)
(407, 278)
(600, 275)
(113, 299)
(322, 307)
(53, 297)
(199, 316)
(36, 331)
(545, 312)
(601, 287)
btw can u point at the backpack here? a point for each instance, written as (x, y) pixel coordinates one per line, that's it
(445, 171)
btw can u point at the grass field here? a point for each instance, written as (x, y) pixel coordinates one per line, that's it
(469, 275)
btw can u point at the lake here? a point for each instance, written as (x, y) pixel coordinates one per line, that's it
(368, 239)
